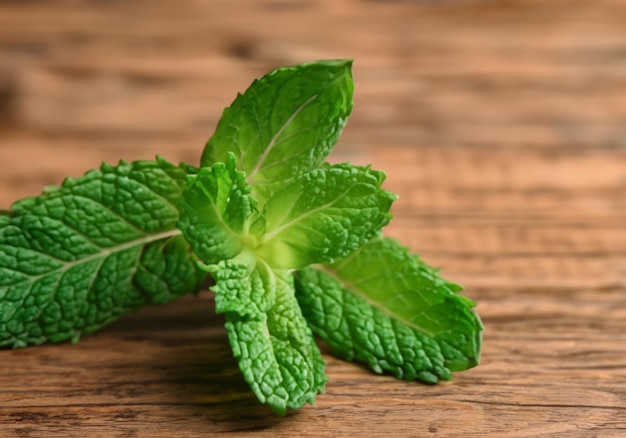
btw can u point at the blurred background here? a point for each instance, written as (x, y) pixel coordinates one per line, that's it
(500, 123)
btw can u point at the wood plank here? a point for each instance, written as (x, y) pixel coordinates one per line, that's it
(501, 125)
(181, 377)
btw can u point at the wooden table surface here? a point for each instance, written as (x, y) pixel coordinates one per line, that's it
(501, 124)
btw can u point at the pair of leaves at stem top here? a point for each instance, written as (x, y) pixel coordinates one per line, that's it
(262, 209)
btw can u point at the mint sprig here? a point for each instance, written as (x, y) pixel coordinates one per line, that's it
(294, 246)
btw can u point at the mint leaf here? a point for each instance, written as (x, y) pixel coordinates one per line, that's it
(284, 124)
(85, 253)
(215, 207)
(386, 308)
(243, 286)
(275, 348)
(324, 214)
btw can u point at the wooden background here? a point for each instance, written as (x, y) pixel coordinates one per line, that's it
(501, 124)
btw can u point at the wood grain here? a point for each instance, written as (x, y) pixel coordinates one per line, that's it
(501, 124)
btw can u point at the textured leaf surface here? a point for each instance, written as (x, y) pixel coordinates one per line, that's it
(275, 348)
(386, 308)
(83, 254)
(243, 286)
(284, 124)
(214, 208)
(324, 214)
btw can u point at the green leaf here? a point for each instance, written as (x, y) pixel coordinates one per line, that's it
(324, 214)
(242, 286)
(275, 348)
(215, 207)
(284, 124)
(83, 254)
(386, 308)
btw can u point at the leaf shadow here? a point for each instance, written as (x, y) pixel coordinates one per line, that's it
(206, 379)
(191, 362)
